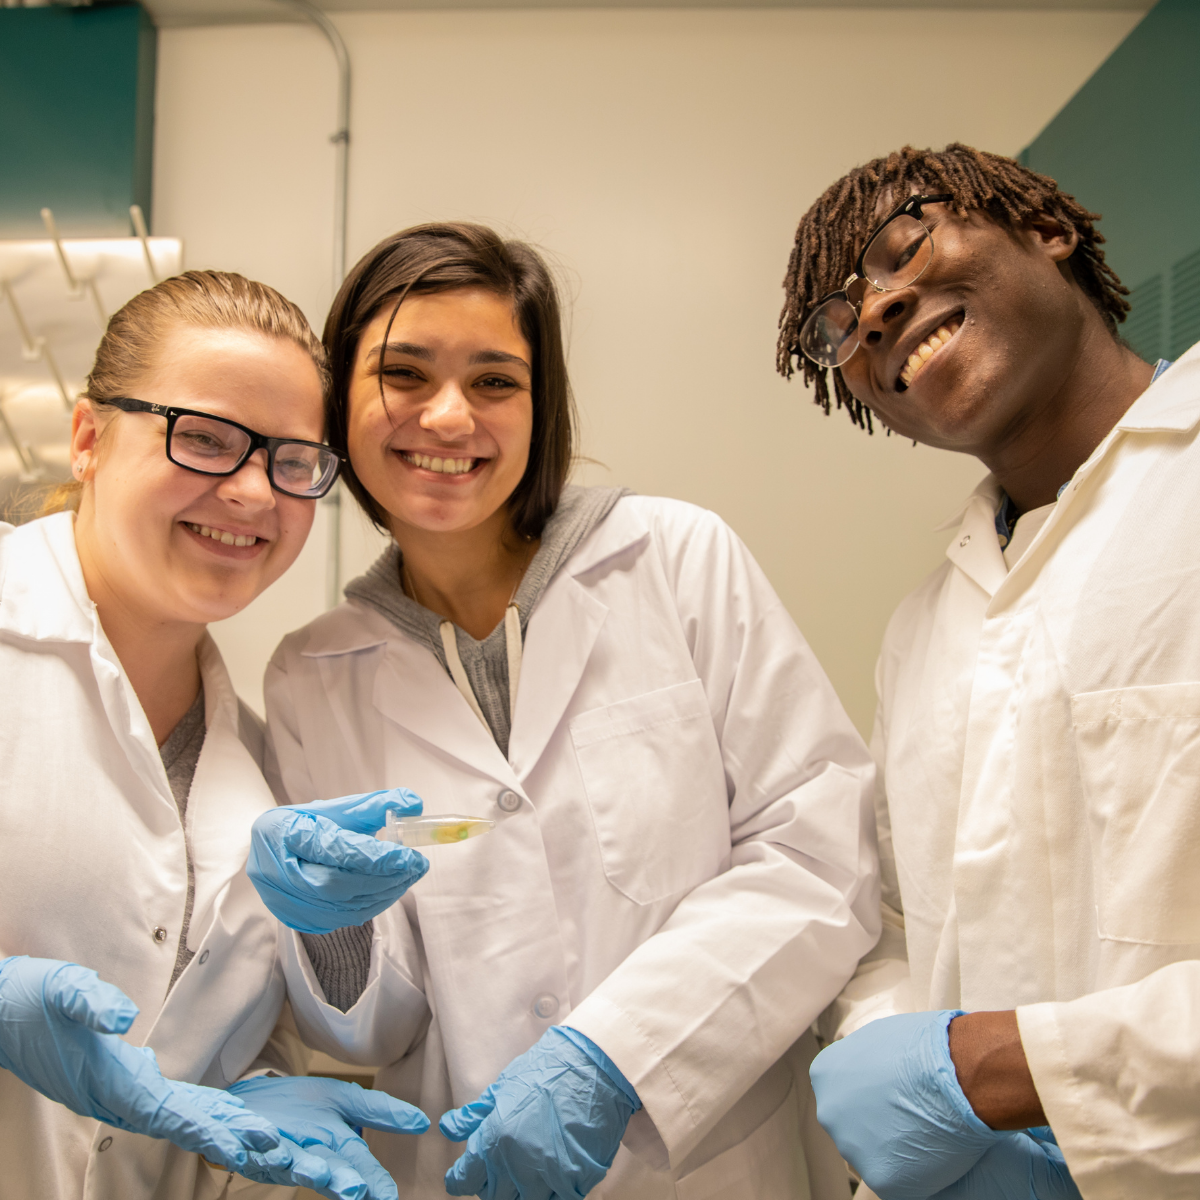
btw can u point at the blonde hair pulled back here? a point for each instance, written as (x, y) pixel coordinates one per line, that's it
(135, 335)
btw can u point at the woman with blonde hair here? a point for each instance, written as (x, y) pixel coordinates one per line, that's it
(613, 988)
(146, 1048)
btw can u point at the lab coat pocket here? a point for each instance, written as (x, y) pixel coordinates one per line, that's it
(1139, 760)
(655, 784)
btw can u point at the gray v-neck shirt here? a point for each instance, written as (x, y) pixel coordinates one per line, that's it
(180, 753)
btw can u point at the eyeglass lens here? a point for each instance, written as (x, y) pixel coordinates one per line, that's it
(894, 258)
(215, 447)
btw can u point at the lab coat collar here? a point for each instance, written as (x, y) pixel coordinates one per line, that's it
(353, 627)
(347, 629)
(42, 593)
(622, 530)
(412, 689)
(988, 487)
(975, 549)
(1171, 404)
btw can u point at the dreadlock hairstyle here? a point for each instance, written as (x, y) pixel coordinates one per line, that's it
(834, 230)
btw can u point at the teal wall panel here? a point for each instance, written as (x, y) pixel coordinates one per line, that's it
(1127, 145)
(76, 117)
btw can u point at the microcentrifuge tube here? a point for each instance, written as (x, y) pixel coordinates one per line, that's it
(432, 831)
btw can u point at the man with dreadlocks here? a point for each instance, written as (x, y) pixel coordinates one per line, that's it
(1038, 731)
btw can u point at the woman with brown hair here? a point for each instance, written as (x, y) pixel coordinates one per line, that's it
(617, 981)
(132, 774)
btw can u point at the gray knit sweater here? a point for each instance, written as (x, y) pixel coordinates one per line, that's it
(342, 960)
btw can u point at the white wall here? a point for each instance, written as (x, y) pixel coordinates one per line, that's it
(663, 159)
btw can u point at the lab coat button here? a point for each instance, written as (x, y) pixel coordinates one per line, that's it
(545, 1005)
(104, 1145)
(509, 801)
(204, 957)
(159, 934)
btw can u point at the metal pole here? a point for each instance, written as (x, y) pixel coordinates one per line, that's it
(34, 348)
(143, 235)
(341, 140)
(75, 285)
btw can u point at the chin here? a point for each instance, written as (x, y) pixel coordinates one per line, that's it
(440, 517)
(948, 421)
(205, 605)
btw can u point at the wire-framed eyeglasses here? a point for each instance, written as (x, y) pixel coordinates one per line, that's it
(895, 255)
(208, 445)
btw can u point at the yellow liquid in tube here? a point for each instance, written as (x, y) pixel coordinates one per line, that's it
(432, 831)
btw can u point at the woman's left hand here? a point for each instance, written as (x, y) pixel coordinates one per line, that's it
(319, 867)
(322, 1122)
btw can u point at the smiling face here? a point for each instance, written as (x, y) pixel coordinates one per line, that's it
(964, 356)
(174, 546)
(445, 442)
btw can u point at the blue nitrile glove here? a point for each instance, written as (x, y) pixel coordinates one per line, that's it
(1026, 1165)
(59, 1033)
(324, 1120)
(550, 1126)
(889, 1097)
(319, 867)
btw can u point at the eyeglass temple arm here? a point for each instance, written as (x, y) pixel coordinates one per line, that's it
(913, 207)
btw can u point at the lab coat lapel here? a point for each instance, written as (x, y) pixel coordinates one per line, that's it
(228, 792)
(45, 550)
(558, 644)
(413, 690)
(29, 607)
(975, 549)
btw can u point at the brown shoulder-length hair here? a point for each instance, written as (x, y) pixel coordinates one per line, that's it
(438, 258)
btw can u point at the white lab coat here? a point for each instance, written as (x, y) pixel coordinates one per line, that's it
(1039, 743)
(683, 866)
(92, 860)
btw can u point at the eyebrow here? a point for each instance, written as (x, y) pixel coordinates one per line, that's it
(415, 350)
(497, 356)
(412, 349)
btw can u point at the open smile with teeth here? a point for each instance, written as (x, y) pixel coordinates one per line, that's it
(927, 349)
(444, 466)
(222, 536)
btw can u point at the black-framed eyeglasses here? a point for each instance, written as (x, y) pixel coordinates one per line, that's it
(895, 255)
(208, 445)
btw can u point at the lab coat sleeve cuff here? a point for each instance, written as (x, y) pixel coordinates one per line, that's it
(881, 986)
(379, 1029)
(1118, 1074)
(635, 1055)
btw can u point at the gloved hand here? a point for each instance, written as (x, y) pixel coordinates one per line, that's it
(889, 1097)
(550, 1126)
(319, 867)
(59, 1027)
(322, 1120)
(1026, 1165)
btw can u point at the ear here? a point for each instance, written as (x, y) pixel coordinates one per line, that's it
(84, 433)
(1049, 236)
